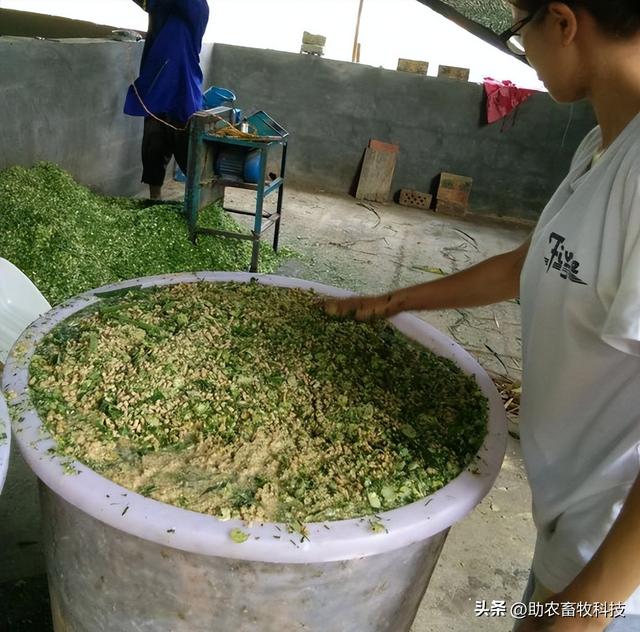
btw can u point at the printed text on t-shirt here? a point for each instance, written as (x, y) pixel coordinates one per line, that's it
(563, 260)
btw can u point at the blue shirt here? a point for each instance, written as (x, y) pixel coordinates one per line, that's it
(170, 81)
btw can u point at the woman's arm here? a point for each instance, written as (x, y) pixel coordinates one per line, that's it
(493, 280)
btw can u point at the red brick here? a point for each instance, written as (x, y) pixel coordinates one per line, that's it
(450, 208)
(455, 189)
(415, 199)
(455, 196)
(314, 40)
(453, 181)
(413, 65)
(378, 145)
(453, 72)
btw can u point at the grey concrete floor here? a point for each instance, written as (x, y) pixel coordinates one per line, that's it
(374, 248)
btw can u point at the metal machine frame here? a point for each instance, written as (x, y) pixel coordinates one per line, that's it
(204, 186)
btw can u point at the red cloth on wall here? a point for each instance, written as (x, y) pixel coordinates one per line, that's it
(503, 97)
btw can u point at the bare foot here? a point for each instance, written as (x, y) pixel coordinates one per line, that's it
(155, 192)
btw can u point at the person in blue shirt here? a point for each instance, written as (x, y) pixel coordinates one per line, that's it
(169, 88)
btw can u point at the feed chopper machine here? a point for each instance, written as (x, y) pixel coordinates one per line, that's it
(222, 155)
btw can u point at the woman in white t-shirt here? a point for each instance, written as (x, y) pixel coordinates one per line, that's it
(578, 279)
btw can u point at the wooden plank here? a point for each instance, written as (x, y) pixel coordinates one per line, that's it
(376, 175)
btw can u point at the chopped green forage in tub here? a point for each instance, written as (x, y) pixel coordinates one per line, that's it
(245, 401)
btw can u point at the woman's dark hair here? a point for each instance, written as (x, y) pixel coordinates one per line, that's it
(620, 18)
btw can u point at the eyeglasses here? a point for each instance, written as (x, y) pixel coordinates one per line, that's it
(512, 39)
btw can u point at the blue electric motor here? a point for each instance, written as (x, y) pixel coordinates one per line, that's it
(212, 98)
(239, 164)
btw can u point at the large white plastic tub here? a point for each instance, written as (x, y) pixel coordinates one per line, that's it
(120, 561)
(20, 304)
(5, 441)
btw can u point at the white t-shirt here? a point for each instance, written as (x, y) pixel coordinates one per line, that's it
(580, 409)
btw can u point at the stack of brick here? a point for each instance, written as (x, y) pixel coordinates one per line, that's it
(313, 44)
(453, 194)
(453, 72)
(413, 65)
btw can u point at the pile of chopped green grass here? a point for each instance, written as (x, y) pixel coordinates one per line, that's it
(248, 401)
(67, 239)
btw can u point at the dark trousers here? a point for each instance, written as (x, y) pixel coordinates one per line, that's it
(159, 143)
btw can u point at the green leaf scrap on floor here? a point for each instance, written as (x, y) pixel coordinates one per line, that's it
(245, 401)
(68, 240)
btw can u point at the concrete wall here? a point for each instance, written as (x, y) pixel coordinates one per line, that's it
(27, 24)
(333, 108)
(62, 101)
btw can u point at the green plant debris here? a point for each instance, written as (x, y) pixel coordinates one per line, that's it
(247, 401)
(238, 536)
(377, 527)
(68, 240)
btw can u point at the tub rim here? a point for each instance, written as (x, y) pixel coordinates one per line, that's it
(190, 531)
(5, 441)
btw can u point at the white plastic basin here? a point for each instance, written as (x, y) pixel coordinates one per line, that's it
(5, 441)
(95, 526)
(20, 304)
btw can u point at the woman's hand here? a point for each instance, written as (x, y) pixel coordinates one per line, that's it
(495, 279)
(363, 307)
